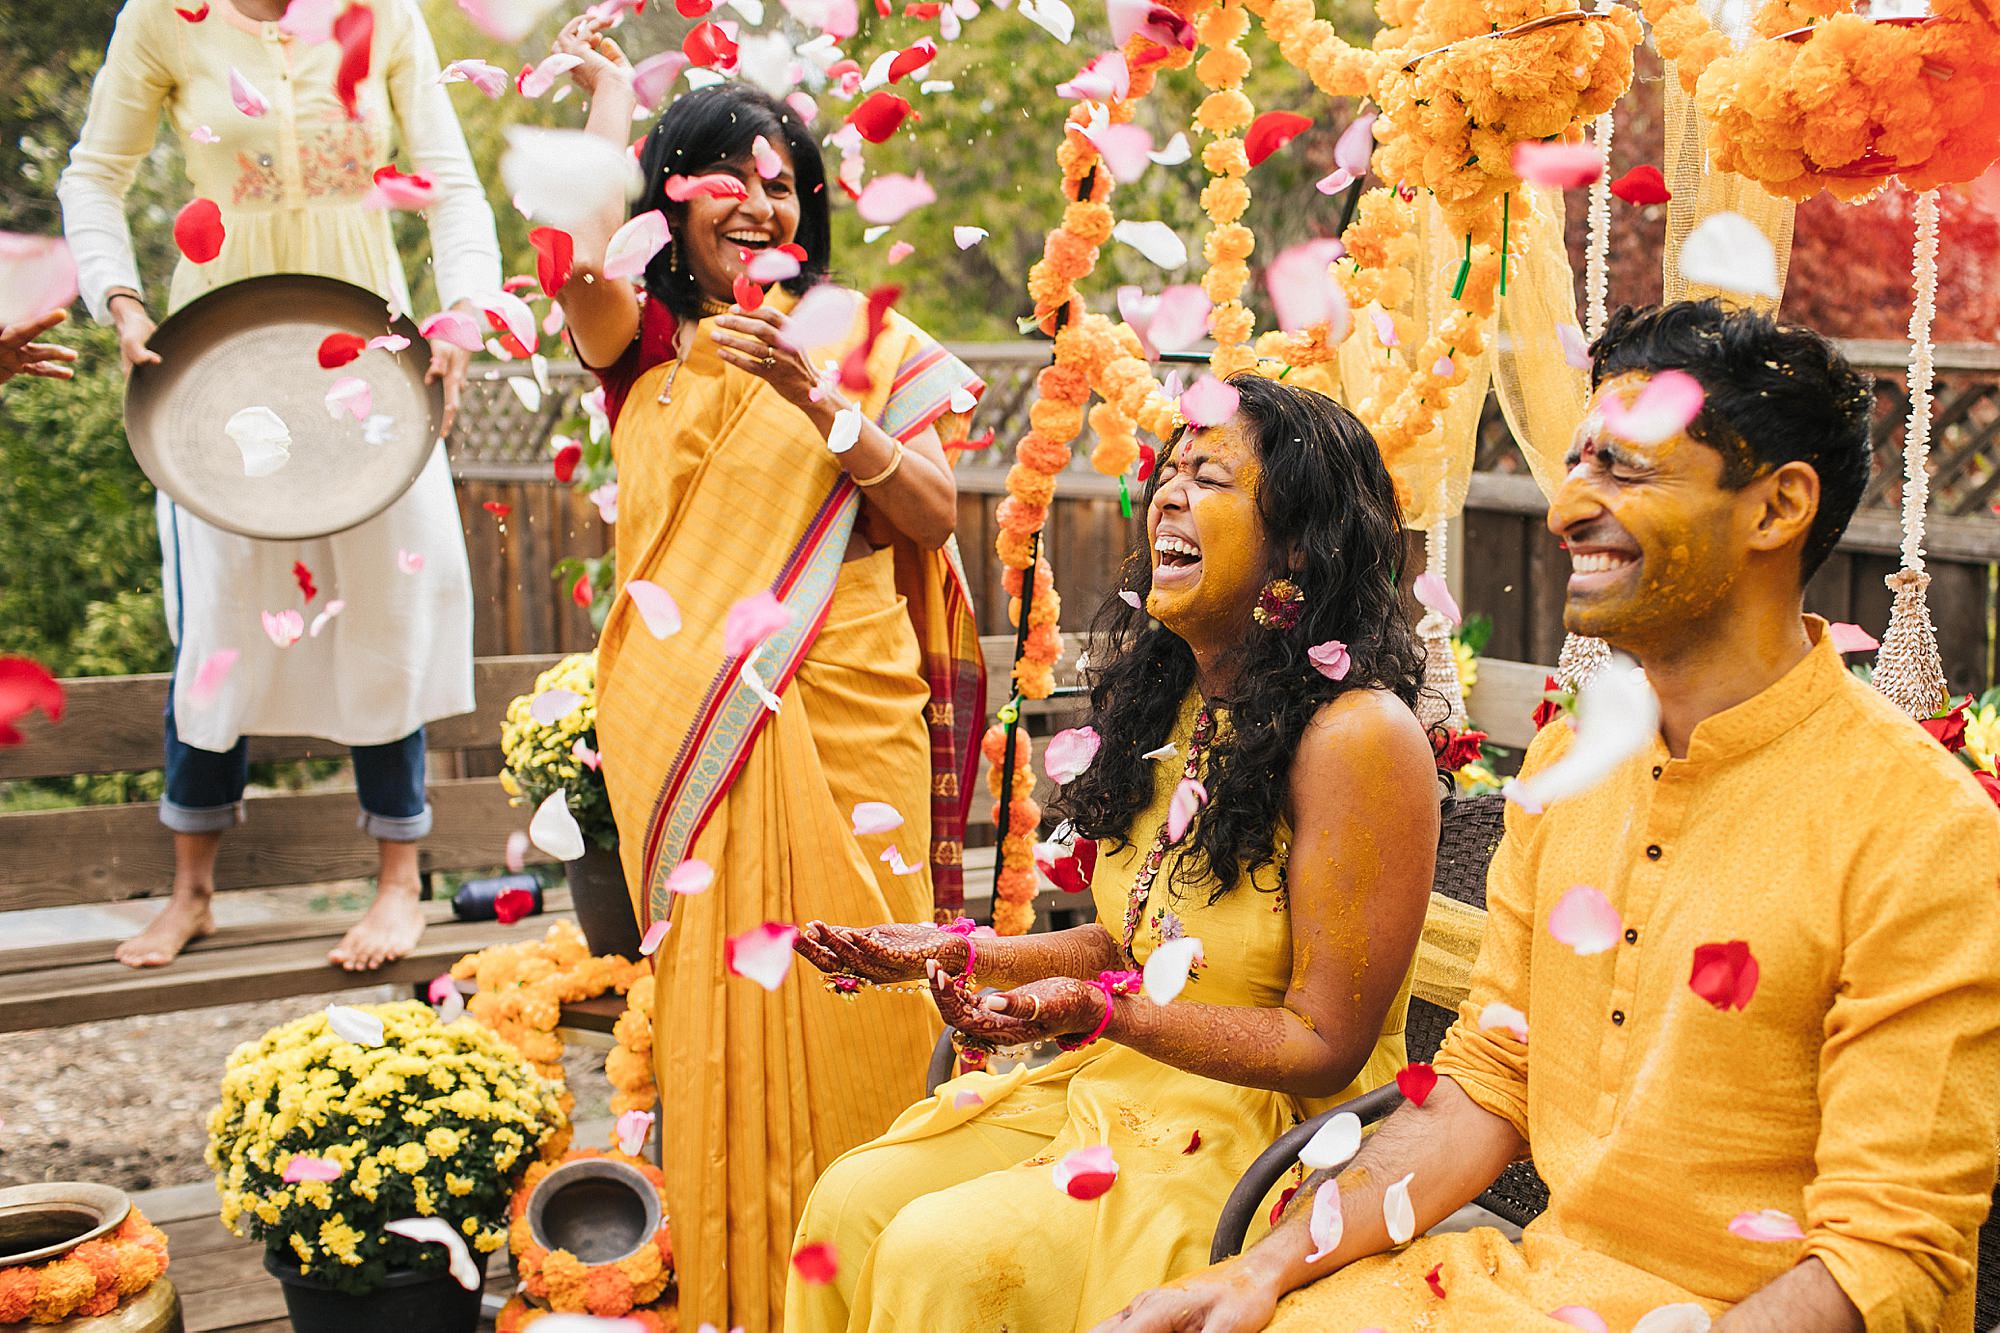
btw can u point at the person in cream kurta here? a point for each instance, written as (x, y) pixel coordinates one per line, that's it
(292, 181)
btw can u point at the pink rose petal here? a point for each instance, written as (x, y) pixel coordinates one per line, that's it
(967, 237)
(1180, 319)
(453, 327)
(632, 1129)
(325, 616)
(352, 395)
(302, 1167)
(1356, 145)
(584, 755)
(690, 876)
(890, 198)
(656, 607)
(1157, 23)
(1303, 289)
(1104, 78)
(652, 77)
(1505, 1017)
(769, 266)
(486, 77)
(1069, 753)
(1765, 1224)
(284, 628)
(766, 158)
(1849, 638)
(410, 562)
(388, 342)
(1334, 181)
(1131, 599)
(1188, 797)
(763, 955)
(680, 189)
(1563, 166)
(965, 1100)
(1330, 659)
(633, 245)
(1086, 1173)
(1385, 328)
(1585, 920)
(751, 621)
(517, 851)
(1580, 1316)
(1434, 594)
(1663, 408)
(1126, 149)
(649, 943)
(900, 251)
(37, 275)
(551, 706)
(208, 678)
(872, 817)
(536, 81)
(506, 21)
(1209, 402)
(245, 95)
(1575, 350)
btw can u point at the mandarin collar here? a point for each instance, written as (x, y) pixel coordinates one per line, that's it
(1773, 711)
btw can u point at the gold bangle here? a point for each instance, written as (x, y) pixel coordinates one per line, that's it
(895, 461)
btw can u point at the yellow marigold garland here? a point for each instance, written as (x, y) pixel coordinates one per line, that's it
(88, 1281)
(629, 1063)
(563, 1282)
(1225, 113)
(1014, 892)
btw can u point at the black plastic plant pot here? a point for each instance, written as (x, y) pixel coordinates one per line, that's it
(407, 1301)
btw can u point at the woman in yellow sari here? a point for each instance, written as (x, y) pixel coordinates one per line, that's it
(824, 659)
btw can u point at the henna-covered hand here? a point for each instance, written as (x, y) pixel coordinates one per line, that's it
(1051, 1007)
(893, 952)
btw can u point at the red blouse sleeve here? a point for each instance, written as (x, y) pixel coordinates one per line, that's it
(653, 345)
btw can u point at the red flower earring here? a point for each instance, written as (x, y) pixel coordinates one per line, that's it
(1279, 605)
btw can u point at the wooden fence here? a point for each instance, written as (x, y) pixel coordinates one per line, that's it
(1512, 571)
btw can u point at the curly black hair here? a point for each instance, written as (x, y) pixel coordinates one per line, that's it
(1774, 393)
(1329, 511)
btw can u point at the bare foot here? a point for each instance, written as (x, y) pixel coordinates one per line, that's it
(392, 927)
(185, 918)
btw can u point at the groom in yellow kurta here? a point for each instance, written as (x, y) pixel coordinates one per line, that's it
(1768, 1095)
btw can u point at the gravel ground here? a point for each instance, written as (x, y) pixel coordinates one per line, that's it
(126, 1102)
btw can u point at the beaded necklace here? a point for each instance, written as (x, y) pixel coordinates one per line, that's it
(1149, 869)
(708, 307)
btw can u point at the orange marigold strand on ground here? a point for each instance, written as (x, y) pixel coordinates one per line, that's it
(90, 1280)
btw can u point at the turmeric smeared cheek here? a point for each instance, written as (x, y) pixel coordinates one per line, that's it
(1234, 559)
(1685, 569)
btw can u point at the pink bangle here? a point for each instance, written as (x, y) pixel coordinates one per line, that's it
(1111, 984)
(963, 927)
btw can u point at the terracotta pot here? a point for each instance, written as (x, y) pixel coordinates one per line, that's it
(603, 907)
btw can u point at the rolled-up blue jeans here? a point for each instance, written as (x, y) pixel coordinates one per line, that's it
(205, 787)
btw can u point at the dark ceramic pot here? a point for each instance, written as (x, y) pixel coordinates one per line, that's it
(603, 907)
(407, 1301)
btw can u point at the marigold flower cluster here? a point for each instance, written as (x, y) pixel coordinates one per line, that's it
(558, 1280)
(1849, 105)
(88, 1281)
(1225, 113)
(1014, 908)
(437, 1121)
(517, 1315)
(540, 760)
(523, 987)
(629, 1063)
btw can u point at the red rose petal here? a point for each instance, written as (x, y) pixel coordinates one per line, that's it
(1988, 784)
(581, 592)
(795, 250)
(304, 578)
(854, 369)
(1547, 710)
(1948, 729)
(193, 15)
(1272, 131)
(355, 31)
(709, 47)
(1088, 1185)
(926, 10)
(25, 685)
(337, 349)
(512, 905)
(555, 253)
(746, 293)
(1278, 1208)
(1194, 1141)
(1642, 185)
(1416, 1080)
(816, 1264)
(566, 460)
(1724, 974)
(911, 59)
(694, 9)
(1434, 1279)
(495, 508)
(198, 230)
(880, 115)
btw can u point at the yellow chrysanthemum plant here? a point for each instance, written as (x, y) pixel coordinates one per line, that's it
(324, 1136)
(559, 755)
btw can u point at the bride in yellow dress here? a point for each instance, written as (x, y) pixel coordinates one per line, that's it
(1271, 669)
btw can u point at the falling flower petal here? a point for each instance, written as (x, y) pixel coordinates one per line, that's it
(552, 706)
(605, 497)
(1155, 240)
(198, 230)
(1585, 920)
(584, 755)
(355, 1025)
(529, 392)
(846, 430)
(1179, 319)
(1167, 751)
(195, 15)
(1334, 181)
(517, 851)
(1330, 659)
(1727, 251)
(1325, 1225)
(1617, 716)
(262, 437)
(37, 275)
(1662, 409)
(1416, 1080)
(752, 620)
(1397, 1214)
(454, 328)
(246, 97)
(554, 828)
(815, 1263)
(822, 318)
(1356, 145)
(410, 562)
(1304, 291)
(1131, 599)
(1167, 968)
(763, 955)
(769, 266)
(633, 245)
(536, 80)
(1176, 151)
(555, 255)
(1725, 974)
(1580, 1316)
(1188, 797)
(327, 613)
(208, 678)
(1561, 166)
(302, 1167)
(1680, 1317)
(680, 189)
(690, 876)
(892, 856)
(1103, 78)
(1849, 638)
(1575, 350)
(966, 1099)
(1642, 185)
(967, 237)
(1126, 149)
(1333, 1144)
(1086, 1173)
(1271, 131)
(352, 396)
(1505, 1017)
(337, 349)
(1155, 22)
(649, 943)
(900, 251)
(879, 116)
(1434, 1279)
(1765, 1224)
(510, 312)
(890, 198)
(1434, 594)
(653, 76)
(876, 817)
(506, 21)
(437, 1231)
(393, 189)
(1051, 16)
(632, 1128)
(709, 46)
(1069, 753)
(1209, 402)
(655, 606)
(447, 999)
(567, 178)
(1385, 328)
(488, 78)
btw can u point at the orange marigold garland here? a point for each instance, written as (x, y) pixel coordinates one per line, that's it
(628, 1065)
(517, 1315)
(1014, 891)
(563, 1282)
(88, 1281)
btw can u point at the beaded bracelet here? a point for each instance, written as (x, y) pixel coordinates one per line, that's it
(1111, 984)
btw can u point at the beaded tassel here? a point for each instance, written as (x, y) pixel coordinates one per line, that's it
(1908, 669)
(1582, 658)
(1442, 700)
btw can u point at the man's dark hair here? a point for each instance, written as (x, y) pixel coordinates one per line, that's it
(699, 131)
(1776, 393)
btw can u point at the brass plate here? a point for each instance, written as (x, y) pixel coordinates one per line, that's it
(39, 1222)
(256, 344)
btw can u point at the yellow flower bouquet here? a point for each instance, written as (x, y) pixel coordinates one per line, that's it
(544, 757)
(321, 1140)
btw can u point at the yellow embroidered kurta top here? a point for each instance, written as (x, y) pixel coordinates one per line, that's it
(1859, 1089)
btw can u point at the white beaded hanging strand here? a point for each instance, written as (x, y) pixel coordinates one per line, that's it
(1917, 434)
(1597, 258)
